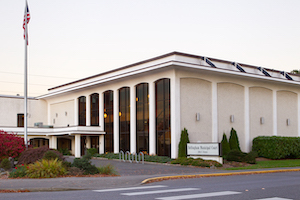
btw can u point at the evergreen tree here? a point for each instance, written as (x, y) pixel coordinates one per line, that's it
(225, 145)
(233, 140)
(184, 139)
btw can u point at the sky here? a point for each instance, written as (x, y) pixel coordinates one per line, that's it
(72, 39)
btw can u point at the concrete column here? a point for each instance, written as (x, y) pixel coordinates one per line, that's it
(175, 114)
(152, 119)
(53, 142)
(101, 144)
(274, 112)
(101, 111)
(88, 142)
(77, 146)
(215, 112)
(116, 121)
(88, 110)
(247, 120)
(133, 119)
(76, 112)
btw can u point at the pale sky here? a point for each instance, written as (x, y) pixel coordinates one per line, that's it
(72, 39)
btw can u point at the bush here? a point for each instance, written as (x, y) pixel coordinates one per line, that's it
(11, 145)
(85, 165)
(92, 151)
(184, 139)
(196, 162)
(233, 140)
(74, 171)
(34, 154)
(238, 156)
(225, 146)
(276, 147)
(107, 170)
(64, 151)
(5, 164)
(18, 172)
(50, 155)
(46, 169)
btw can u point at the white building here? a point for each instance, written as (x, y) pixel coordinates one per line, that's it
(144, 106)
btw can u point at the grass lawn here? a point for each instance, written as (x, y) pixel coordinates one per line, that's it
(270, 164)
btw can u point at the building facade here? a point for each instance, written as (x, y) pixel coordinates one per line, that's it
(144, 106)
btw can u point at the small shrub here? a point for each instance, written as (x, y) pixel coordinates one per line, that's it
(233, 140)
(184, 139)
(66, 164)
(249, 158)
(75, 171)
(50, 155)
(107, 170)
(200, 163)
(225, 146)
(18, 172)
(11, 145)
(5, 164)
(64, 151)
(92, 151)
(235, 155)
(34, 154)
(85, 165)
(46, 169)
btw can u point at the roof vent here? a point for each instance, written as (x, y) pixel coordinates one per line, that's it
(209, 62)
(286, 75)
(264, 71)
(238, 66)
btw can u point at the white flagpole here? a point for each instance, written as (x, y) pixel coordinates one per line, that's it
(25, 80)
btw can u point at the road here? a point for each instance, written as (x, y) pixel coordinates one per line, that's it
(274, 186)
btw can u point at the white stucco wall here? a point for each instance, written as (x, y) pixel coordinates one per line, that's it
(261, 106)
(196, 97)
(231, 102)
(287, 108)
(10, 107)
(62, 113)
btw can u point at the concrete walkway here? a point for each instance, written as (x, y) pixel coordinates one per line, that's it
(131, 174)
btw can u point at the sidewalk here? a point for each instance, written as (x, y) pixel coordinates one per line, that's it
(131, 174)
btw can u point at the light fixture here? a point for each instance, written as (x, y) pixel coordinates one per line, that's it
(105, 115)
(231, 118)
(262, 120)
(120, 114)
(197, 116)
(288, 122)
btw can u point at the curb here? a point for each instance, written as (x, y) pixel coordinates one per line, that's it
(162, 178)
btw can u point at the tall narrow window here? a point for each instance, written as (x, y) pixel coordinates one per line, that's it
(20, 120)
(108, 121)
(163, 129)
(124, 118)
(94, 109)
(142, 118)
(82, 111)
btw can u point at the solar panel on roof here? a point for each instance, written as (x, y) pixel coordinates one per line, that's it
(286, 76)
(209, 62)
(264, 71)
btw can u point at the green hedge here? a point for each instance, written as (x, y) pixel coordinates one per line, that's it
(275, 147)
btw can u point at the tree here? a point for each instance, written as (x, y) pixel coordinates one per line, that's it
(11, 145)
(184, 139)
(233, 140)
(225, 145)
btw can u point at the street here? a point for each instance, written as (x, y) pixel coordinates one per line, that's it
(273, 186)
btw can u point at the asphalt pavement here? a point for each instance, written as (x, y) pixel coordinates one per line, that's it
(130, 174)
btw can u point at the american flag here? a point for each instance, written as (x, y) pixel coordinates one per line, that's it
(26, 21)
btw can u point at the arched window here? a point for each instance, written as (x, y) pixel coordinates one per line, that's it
(108, 121)
(163, 128)
(124, 118)
(142, 118)
(82, 111)
(94, 109)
